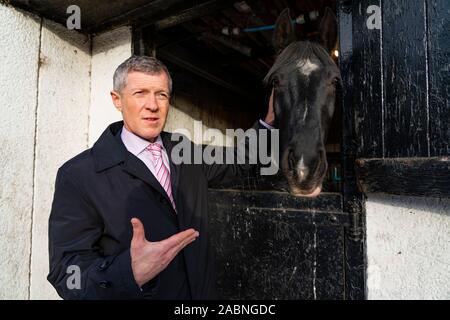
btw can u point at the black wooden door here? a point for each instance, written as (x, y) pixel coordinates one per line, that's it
(270, 245)
(403, 66)
(402, 105)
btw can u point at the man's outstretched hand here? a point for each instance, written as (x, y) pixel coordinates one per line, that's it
(148, 259)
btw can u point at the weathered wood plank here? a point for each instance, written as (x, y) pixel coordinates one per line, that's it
(429, 177)
(367, 78)
(439, 79)
(355, 264)
(405, 83)
(352, 21)
(329, 269)
(262, 256)
(274, 253)
(331, 202)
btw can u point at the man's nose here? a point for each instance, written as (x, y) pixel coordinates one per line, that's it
(152, 103)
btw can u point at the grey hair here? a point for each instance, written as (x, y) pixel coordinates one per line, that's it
(143, 64)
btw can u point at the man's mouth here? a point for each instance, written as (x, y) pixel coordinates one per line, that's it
(151, 119)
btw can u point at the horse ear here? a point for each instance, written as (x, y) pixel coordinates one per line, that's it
(328, 30)
(284, 32)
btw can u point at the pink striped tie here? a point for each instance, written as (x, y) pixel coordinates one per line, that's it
(162, 173)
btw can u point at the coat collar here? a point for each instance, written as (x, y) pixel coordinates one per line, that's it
(109, 151)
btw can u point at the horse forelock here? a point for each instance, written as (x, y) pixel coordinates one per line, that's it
(300, 53)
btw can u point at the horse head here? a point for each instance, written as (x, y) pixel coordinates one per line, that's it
(304, 81)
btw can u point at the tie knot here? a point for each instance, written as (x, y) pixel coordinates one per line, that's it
(155, 149)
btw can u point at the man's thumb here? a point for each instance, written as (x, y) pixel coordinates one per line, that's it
(138, 231)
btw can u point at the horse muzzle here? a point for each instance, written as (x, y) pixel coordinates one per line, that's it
(303, 182)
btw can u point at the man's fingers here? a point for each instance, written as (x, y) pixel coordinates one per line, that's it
(184, 243)
(179, 238)
(177, 242)
(138, 231)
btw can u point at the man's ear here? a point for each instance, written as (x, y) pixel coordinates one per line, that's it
(328, 30)
(116, 100)
(284, 33)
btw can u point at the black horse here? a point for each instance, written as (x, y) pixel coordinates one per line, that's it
(304, 81)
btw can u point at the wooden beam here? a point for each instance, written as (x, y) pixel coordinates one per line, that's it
(146, 11)
(192, 13)
(423, 177)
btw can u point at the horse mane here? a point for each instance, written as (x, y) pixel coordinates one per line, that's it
(299, 51)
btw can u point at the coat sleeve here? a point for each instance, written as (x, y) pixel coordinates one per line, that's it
(78, 269)
(217, 174)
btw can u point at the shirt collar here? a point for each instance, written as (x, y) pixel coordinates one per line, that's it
(136, 144)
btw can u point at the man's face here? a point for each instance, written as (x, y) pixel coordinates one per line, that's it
(144, 103)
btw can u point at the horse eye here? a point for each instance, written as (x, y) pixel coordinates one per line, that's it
(336, 81)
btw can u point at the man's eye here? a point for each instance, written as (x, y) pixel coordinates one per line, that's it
(162, 95)
(138, 92)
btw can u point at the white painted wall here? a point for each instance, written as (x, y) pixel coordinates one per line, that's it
(408, 247)
(18, 86)
(109, 49)
(61, 131)
(45, 86)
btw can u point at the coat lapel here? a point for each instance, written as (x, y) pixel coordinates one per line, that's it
(138, 169)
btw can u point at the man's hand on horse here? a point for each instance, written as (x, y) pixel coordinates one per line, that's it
(270, 117)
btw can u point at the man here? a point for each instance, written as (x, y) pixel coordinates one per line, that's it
(128, 176)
